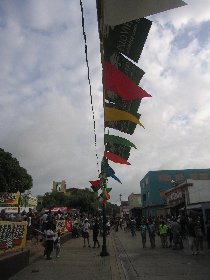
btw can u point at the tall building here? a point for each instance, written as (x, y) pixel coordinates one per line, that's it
(154, 184)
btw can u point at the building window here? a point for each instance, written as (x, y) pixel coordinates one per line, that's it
(203, 176)
(144, 197)
(194, 176)
(164, 177)
(179, 177)
(147, 181)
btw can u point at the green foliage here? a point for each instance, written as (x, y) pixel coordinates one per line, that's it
(82, 199)
(13, 177)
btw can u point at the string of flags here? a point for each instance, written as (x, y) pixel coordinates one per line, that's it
(123, 32)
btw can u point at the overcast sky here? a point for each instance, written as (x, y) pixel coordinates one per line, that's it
(46, 119)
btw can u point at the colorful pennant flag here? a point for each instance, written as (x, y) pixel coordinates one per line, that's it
(115, 158)
(128, 38)
(132, 71)
(120, 11)
(118, 140)
(123, 126)
(118, 82)
(96, 185)
(111, 114)
(120, 150)
(110, 173)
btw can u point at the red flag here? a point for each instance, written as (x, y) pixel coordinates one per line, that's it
(96, 183)
(118, 82)
(115, 158)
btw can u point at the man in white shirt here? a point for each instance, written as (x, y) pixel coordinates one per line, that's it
(85, 232)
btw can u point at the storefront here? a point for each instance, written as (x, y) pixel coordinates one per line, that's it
(176, 199)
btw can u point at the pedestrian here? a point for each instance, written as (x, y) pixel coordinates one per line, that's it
(133, 226)
(95, 228)
(49, 241)
(176, 231)
(163, 230)
(151, 231)
(198, 237)
(85, 232)
(208, 233)
(191, 236)
(143, 230)
(57, 244)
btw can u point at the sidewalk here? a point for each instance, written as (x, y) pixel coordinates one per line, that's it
(75, 262)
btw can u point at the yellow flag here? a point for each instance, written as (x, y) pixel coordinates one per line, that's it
(112, 114)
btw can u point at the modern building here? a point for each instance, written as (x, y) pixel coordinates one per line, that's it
(155, 183)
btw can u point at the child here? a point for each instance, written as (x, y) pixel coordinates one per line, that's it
(57, 244)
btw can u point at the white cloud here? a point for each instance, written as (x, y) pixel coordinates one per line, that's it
(46, 117)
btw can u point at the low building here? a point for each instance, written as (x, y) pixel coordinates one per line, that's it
(135, 206)
(191, 197)
(155, 183)
(124, 209)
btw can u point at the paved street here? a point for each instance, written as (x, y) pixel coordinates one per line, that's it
(159, 263)
(127, 260)
(75, 263)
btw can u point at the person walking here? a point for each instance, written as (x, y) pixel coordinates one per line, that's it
(163, 230)
(85, 232)
(133, 226)
(198, 237)
(191, 236)
(49, 241)
(57, 244)
(143, 230)
(95, 228)
(176, 231)
(151, 231)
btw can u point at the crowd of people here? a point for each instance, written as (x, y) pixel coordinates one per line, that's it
(171, 231)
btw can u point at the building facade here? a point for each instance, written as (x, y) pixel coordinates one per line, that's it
(155, 183)
(135, 206)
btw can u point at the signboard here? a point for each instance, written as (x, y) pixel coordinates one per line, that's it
(61, 209)
(9, 198)
(12, 236)
(10, 210)
(175, 197)
(64, 226)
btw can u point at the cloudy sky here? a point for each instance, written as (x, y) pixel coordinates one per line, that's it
(46, 119)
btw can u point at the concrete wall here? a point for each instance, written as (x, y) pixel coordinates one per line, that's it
(11, 264)
(200, 191)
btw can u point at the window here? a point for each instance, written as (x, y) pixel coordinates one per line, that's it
(144, 197)
(179, 177)
(203, 176)
(164, 177)
(194, 176)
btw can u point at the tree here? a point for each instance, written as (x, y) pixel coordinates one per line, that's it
(13, 177)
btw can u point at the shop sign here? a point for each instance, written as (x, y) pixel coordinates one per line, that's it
(9, 198)
(12, 236)
(174, 196)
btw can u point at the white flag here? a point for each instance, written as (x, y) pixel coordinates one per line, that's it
(121, 11)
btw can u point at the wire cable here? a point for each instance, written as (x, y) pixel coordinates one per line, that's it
(91, 97)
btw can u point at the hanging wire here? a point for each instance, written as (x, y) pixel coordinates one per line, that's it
(91, 97)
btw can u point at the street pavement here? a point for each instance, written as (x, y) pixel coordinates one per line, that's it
(159, 263)
(75, 262)
(127, 261)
